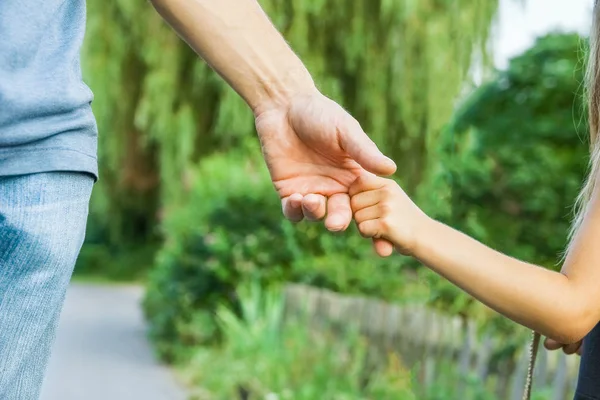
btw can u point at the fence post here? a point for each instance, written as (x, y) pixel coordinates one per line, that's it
(540, 375)
(518, 378)
(560, 380)
(483, 357)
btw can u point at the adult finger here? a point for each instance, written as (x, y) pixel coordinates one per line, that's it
(314, 207)
(383, 247)
(292, 207)
(339, 213)
(362, 149)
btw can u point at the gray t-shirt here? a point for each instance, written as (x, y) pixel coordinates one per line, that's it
(46, 121)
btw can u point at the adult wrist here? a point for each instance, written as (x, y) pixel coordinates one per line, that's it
(278, 91)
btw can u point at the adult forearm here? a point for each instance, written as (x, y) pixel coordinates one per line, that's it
(530, 295)
(237, 40)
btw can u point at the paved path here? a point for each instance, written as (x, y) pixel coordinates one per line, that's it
(101, 352)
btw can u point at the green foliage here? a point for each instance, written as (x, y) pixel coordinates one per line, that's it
(396, 65)
(450, 384)
(224, 233)
(518, 158)
(100, 261)
(357, 51)
(105, 255)
(264, 358)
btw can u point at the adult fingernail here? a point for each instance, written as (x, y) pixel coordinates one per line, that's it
(295, 201)
(311, 206)
(335, 224)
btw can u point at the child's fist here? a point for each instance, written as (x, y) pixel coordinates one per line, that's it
(382, 210)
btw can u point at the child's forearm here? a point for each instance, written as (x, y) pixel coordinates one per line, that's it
(543, 300)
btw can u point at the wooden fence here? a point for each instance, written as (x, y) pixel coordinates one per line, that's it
(425, 340)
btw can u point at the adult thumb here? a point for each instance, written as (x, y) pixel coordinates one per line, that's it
(362, 149)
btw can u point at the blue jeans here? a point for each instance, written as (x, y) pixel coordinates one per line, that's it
(42, 227)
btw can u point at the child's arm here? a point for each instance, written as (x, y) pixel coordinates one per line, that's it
(564, 306)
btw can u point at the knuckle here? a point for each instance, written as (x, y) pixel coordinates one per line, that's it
(385, 224)
(387, 191)
(385, 209)
(354, 202)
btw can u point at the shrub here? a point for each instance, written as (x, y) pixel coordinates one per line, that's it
(105, 262)
(263, 358)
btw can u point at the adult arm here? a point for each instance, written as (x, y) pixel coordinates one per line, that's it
(313, 148)
(237, 40)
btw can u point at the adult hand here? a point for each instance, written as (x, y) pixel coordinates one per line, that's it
(573, 348)
(314, 151)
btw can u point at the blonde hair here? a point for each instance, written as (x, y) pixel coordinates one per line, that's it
(592, 84)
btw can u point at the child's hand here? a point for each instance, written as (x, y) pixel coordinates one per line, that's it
(551, 344)
(382, 210)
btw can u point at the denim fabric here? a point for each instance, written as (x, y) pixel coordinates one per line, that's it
(42, 227)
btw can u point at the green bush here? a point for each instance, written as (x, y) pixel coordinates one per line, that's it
(230, 230)
(121, 264)
(263, 358)
(109, 253)
(516, 155)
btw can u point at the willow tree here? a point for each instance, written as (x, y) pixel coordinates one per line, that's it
(397, 65)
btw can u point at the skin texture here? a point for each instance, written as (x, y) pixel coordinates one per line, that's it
(562, 306)
(313, 148)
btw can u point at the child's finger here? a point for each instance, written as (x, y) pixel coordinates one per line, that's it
(571, 348)
(551, 344)
(364, 199)
(383, 247)
(369, 228)
(366, 181)
(371, 212)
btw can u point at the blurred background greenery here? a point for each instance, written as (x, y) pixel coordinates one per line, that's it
(184, 203)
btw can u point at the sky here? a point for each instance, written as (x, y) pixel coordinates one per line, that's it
(519, 24)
